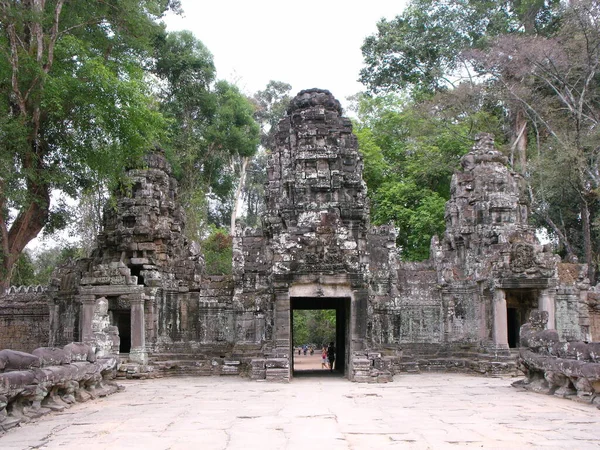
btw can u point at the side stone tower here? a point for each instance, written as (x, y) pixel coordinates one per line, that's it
(491, 266)
(126, 297)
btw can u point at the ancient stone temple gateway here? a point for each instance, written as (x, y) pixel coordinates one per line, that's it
(144, 292)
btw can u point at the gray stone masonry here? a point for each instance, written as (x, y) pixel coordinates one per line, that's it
(143, 294)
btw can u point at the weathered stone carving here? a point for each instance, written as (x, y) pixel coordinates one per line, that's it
(51, 379)
(144, 293)
(564, 369)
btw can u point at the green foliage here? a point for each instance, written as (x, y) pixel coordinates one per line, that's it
(232, 131)
(422, 50)
(409, 156)
(23, 272)
(74, 101)
(313, 327)
(271, 105)
(211, 127)
(218, 252)
(37, 269)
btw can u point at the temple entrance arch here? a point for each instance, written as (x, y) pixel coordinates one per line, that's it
(341, 306)
(519, 303)
(513, 300)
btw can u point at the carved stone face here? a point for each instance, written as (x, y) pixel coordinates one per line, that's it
(521, 258)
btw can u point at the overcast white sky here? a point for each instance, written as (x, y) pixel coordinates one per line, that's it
(306, 43)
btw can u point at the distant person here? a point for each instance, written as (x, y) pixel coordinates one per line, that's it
(305, 349)
(312, 351)
(324, 358)
(331, 355)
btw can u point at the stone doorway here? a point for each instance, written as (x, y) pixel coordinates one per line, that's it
(519, 303)
(121, 318)
(341, 306)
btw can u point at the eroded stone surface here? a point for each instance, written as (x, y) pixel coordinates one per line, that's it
(144, 293)
(51, 379)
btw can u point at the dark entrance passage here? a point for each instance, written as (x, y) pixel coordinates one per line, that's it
(519, 303)
(341, 306)
(122, 319)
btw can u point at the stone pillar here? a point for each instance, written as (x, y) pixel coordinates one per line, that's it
(546, 303)
(138, 339)
(282, 319)
(54, 323)
(500, 327)
(86, 333)
(279, 365)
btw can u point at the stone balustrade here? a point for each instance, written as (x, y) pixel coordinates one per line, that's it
(50, 379)
(565, 369)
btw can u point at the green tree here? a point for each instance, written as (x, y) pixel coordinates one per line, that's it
(427, 50)
(410, 152)
(23, 273)
(212, 130)
(422, 49)
(217, 249)
(48, 259)
(73, 102)
(314, 326)
(270, 107)
(559, 92)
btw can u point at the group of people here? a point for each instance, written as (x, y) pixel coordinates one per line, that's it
(327, 354)
(328, 357)
(306, 349)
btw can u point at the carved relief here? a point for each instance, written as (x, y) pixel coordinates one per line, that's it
(522, 258)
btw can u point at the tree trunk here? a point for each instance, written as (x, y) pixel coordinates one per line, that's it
(29, 222)
(587, 240)
(520, 141)
(238, 194)
(561, 237)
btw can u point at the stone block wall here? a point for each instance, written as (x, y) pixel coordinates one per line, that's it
(573, 312)
(24, 319)
(594, 310)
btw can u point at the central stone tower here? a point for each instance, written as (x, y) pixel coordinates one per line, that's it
(315, 227)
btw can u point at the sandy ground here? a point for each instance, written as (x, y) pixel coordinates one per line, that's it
(307, 362)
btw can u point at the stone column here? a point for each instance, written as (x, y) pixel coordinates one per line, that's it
(88, 302)
(282, 319)
(138, 339)
(500, 327)
(279, 366)
(53, 308)
(546, 303)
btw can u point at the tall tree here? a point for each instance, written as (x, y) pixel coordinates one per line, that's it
(212, 129)
(73, 101)
(410, 152)
(270, 107)
(424, 50)
(559, 92)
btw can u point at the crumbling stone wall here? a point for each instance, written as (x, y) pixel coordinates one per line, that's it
(144, 292)
(24, 318)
